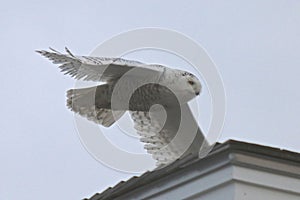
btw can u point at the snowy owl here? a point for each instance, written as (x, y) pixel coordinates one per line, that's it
(156, 97)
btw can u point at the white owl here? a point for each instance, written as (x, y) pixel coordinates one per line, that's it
(169, 130)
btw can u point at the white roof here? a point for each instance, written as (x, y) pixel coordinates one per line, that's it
(233, 170)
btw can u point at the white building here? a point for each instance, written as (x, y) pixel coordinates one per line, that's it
(232, 171)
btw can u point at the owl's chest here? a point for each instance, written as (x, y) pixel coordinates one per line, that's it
(150, 94)
(141, 98)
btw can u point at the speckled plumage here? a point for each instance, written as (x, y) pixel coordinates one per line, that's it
(136, 87)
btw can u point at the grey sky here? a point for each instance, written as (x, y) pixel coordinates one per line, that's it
(255, 44)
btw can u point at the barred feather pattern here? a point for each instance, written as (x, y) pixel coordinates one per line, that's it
(105, 117)
(89, 68)
(157, 140)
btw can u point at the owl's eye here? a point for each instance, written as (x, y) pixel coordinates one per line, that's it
(191, 82)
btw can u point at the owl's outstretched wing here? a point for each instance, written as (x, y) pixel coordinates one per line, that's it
(169, 133)
(97, 68)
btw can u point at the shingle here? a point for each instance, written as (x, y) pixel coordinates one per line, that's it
(136, 182)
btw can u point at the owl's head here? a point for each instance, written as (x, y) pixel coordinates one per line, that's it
(192, 83)
(186, 85)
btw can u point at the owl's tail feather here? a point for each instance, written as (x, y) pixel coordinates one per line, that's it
(93, 103)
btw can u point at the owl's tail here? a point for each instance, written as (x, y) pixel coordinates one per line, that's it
(93, 103)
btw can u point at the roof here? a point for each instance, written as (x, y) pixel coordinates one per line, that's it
(222, 154)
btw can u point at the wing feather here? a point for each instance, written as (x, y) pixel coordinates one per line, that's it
(83, 102)
(96, 68)
(165, 140)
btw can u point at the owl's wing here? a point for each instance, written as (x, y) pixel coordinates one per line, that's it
(169, 133)
(98, 68)
(89, 104)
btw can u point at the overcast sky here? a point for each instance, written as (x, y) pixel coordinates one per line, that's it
(255, 44)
